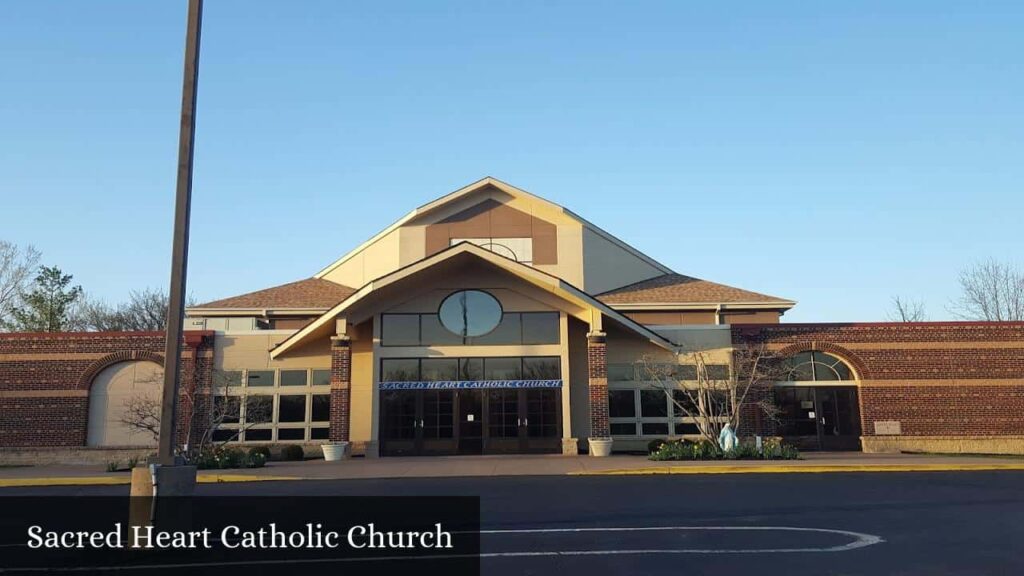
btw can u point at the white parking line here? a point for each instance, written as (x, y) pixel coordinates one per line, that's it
(861, 540)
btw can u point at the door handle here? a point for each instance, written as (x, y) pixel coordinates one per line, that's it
(526, 421)
(421, 423)
(519, 422)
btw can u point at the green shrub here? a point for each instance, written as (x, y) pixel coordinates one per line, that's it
(264, 450)
(654, 445)
(112, 466)
(292, 452)
(226, 457)
(706, 450)
(133, 461)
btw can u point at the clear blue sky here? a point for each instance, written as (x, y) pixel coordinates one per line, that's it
(834, 153)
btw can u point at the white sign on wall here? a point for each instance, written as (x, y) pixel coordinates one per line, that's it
(888, 428)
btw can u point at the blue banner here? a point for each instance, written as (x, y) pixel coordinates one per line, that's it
(463, 384)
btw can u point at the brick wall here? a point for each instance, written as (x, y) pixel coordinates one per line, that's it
(341, 384)
(597, 367)
(935, 378)
(45, 379)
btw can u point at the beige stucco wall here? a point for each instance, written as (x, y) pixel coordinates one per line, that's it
(362, 402)
(607, 266)
(112, 389)
(252, 351)
(373, 261)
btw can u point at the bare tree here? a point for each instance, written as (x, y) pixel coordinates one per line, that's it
(904, 310)
(17, 265)
(713, 395)
(990, 290)
(142, 414)
(145, 310)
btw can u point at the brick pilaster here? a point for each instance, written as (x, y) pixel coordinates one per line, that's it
(597, 367)
(341, 383)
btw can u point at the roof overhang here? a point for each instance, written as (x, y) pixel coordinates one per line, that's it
(538, 278)
(651, 306)
(262, 312)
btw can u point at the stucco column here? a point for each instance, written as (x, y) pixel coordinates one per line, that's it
(341, 384)
(597, 367)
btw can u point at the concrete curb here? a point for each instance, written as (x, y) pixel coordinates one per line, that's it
(801, 469)
(125, 480)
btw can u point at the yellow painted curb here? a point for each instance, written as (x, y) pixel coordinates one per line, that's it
(119, 480)
(800, 469)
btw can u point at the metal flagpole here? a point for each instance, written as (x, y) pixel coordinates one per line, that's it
(179, 256)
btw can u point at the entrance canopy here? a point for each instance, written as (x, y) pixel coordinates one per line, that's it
(377, 294)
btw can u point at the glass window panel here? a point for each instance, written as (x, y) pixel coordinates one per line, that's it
(291, 408)
(470, 313)
(621, 372)
(293, 377)
(258, 435)
(621, 404)
(319, 433)
(434, 334)
(260, 378)
(400, 330)
(508, 331)
(439, 369)
(800, 368)
(654, 428)
(227, 409)
(653, 403)
(623, 428)
(258, 409)
(471, 369)
(686, 372)
(540, 327)
(717, 371)
(683, 404)
(542, 368)
(686, 428)
(503, 369)
(321, 378)
(225, 435)
(399, 370)
(321, 408)
(291, 433)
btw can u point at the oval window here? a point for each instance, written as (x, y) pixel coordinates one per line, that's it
(470, 313)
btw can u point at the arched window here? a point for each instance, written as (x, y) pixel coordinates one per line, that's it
(817, 366)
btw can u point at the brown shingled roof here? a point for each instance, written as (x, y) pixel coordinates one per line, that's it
(308, 293)
(680, 289)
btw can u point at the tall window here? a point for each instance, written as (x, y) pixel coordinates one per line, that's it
(817, 366)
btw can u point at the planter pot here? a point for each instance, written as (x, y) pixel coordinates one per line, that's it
(335, 451)
(600, 447)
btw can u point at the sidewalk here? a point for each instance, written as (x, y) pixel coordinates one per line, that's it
(525, 465)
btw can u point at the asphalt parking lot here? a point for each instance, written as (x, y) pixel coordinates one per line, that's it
(858, 523)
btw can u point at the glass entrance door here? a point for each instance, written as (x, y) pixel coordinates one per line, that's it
(819, 418)
(470, 404)
(839, 420)
(470, 421)
(543, 422)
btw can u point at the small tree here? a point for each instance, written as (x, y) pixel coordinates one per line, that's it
(48, 306)
(713, 396)
(145, 310)
(16, 266)
(991, 290)
(208, 412)
(904, 310)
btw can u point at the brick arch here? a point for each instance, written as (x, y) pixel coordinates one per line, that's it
(85, 380)
(847, 356)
